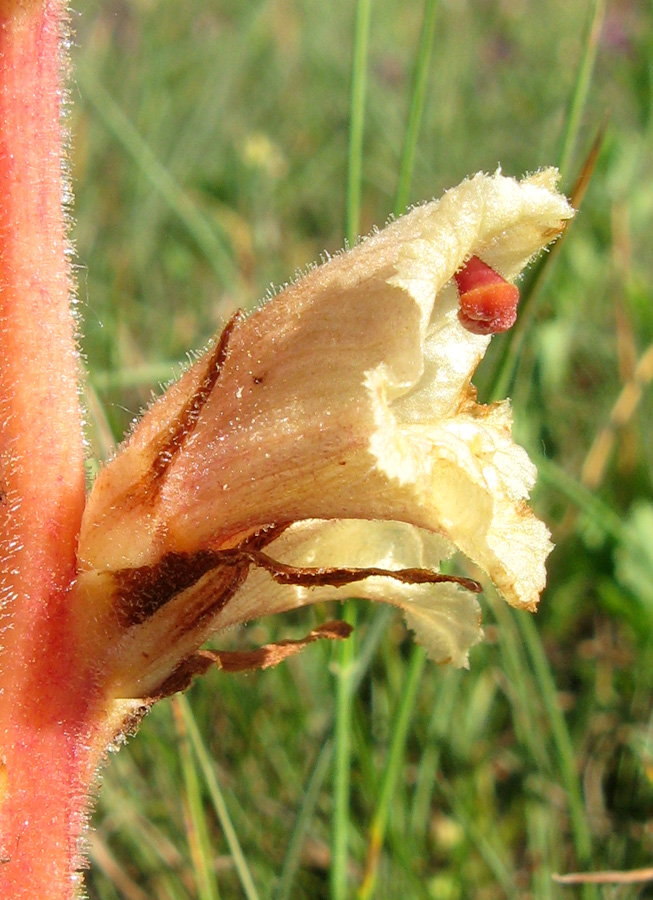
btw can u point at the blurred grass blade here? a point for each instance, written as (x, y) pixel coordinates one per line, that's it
(217, 799)
(584, 177)
(623, 411)
(539, 838)
(197, 829)
(500, 868)
(102, 439)
(357, 668)
(114, 871)
(146, 375)
(214, 246)
(521, 688)
(375, 631)
(599, 512)
(509, 359)
(393, 770)
(293, 855)
(508, 364)
(196, 140)
(346, 654)
(581, 87)
(417, 100)
(416, 887)
(563, 744)
(441, 722)
(357, 120)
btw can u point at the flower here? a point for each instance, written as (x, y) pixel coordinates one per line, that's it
(329, 445)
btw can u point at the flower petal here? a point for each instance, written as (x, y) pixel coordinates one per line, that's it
(346, 397)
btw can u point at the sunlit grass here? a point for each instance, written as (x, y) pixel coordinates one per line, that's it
(212, 156)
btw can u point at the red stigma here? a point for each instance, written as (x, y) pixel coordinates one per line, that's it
(488, 303)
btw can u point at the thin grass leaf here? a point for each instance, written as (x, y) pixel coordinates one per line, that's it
(636, 876)
(393, 769)
(369, 646)
(115, 873)
(357, 120)
(539, 840)
(600, 513)
(409, 867)
(217, 798)
(577, 193)
(213, 245)
(417, 100)
(508, 365)
(197, 828)
(441, 723)
(522, 690)
(561, 739)
(346, 653)
(102, 439)
(486, 847)
(338, 875)
(582, 86)
(292, 860)
(146, 375)
(195, 142)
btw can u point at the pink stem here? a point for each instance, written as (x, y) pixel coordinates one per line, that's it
(45, 764)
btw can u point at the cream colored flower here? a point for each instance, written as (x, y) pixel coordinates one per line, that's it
(334, 430)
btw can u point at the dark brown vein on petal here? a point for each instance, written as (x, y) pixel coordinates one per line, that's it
(242, 660)
(141, 592)
(165, 446)
(186, 421)
(339, 576)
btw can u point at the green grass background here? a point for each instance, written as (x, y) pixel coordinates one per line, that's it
(212, 157)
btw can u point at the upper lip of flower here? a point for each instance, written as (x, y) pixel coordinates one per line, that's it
(347, 397)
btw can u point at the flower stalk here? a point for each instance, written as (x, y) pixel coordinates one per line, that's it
(44, 775)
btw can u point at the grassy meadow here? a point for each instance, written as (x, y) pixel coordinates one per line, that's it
(217, 148)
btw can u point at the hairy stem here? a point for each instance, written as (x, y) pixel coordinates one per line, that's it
(44, 772)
